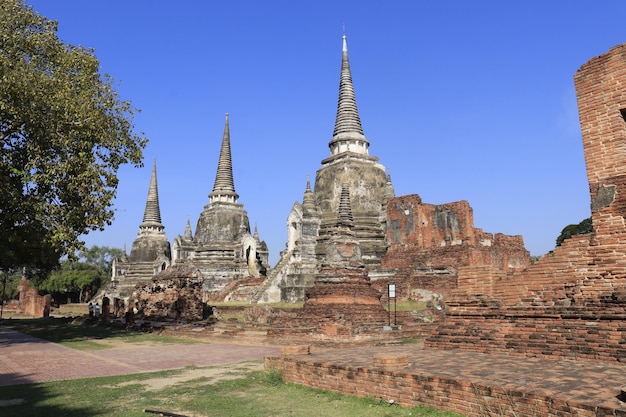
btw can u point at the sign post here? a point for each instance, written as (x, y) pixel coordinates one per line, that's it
(391, 294)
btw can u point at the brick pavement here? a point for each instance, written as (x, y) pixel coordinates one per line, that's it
(25, 359)
(447, 378)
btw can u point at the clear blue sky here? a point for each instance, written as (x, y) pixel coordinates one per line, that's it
(461, 100)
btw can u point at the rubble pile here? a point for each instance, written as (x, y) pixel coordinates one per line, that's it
(175, 295)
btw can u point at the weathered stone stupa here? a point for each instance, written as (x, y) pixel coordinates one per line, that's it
(342, 303)
(311, 224)
(351, 163)
(223, 249)
(149, 254)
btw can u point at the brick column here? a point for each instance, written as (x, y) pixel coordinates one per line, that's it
(601, 93)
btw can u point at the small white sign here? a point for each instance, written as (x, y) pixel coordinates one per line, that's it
(392, 290)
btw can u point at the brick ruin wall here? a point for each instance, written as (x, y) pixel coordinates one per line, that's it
(31, 303)
(429, 243)
(572, 302)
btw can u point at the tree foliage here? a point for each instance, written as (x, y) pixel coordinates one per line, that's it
(101, 256)
(74, 277)
(64, 133)
(585, 226)
(9, 282)
(82, 277)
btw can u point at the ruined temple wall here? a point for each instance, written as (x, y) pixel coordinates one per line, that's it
(571, 303)
(416, 285)
(33, 304)
(444, 236)
(601, 93)
(385, 379)
(590, 267)
(569, 274)
(580, 333)
(424, 226)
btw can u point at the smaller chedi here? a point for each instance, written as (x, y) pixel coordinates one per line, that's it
(149, 255)
(341, 304)
(223, 253)
(223, 249)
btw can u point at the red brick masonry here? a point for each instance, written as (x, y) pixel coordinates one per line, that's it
(469, 383)
(572, 302)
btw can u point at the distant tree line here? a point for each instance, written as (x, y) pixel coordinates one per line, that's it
(74, 280)
(79, 280)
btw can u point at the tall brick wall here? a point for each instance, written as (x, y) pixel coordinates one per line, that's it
(429, 243)
(571, 302)
(444, 235)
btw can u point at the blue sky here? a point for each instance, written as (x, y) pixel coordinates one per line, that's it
(461, 100)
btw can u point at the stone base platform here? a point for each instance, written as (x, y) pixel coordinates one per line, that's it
(469, 383)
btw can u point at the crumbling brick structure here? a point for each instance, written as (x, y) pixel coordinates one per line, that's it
(31, 303)
(174, 294)
(428, 244)
(572, 302)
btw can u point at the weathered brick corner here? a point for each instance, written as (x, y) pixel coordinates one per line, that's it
(570, 303)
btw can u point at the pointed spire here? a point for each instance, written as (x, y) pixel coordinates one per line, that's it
(389, 191)
(344, 217)
(256, 233)
(348, 134)
(308, 201)
(224, 188)
(124, 257)
(152, 213)
(188, 235)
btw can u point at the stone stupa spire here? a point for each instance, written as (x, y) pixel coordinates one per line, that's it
(224, 188)
(188, 235)
(389, 191)
(152, 214)
(348, 134)
(344, 217)
(308, 201)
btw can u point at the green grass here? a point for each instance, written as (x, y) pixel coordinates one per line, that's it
(84, 336)
(247, 304)
(253, 394)
(74, 309)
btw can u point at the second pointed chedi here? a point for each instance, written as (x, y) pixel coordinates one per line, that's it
(223, 248)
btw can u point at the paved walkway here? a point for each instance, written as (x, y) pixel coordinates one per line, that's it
(595, 383)
(25, 359)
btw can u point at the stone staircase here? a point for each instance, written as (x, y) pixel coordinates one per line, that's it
(269, 281)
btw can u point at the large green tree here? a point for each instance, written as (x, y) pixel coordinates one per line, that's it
(64, 133)
(101, 256)
(79, 279)
(74, 277)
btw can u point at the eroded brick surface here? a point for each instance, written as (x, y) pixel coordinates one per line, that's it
(571, 302)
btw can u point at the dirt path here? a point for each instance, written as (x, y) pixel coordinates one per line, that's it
(212, 374)
(25, 359)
